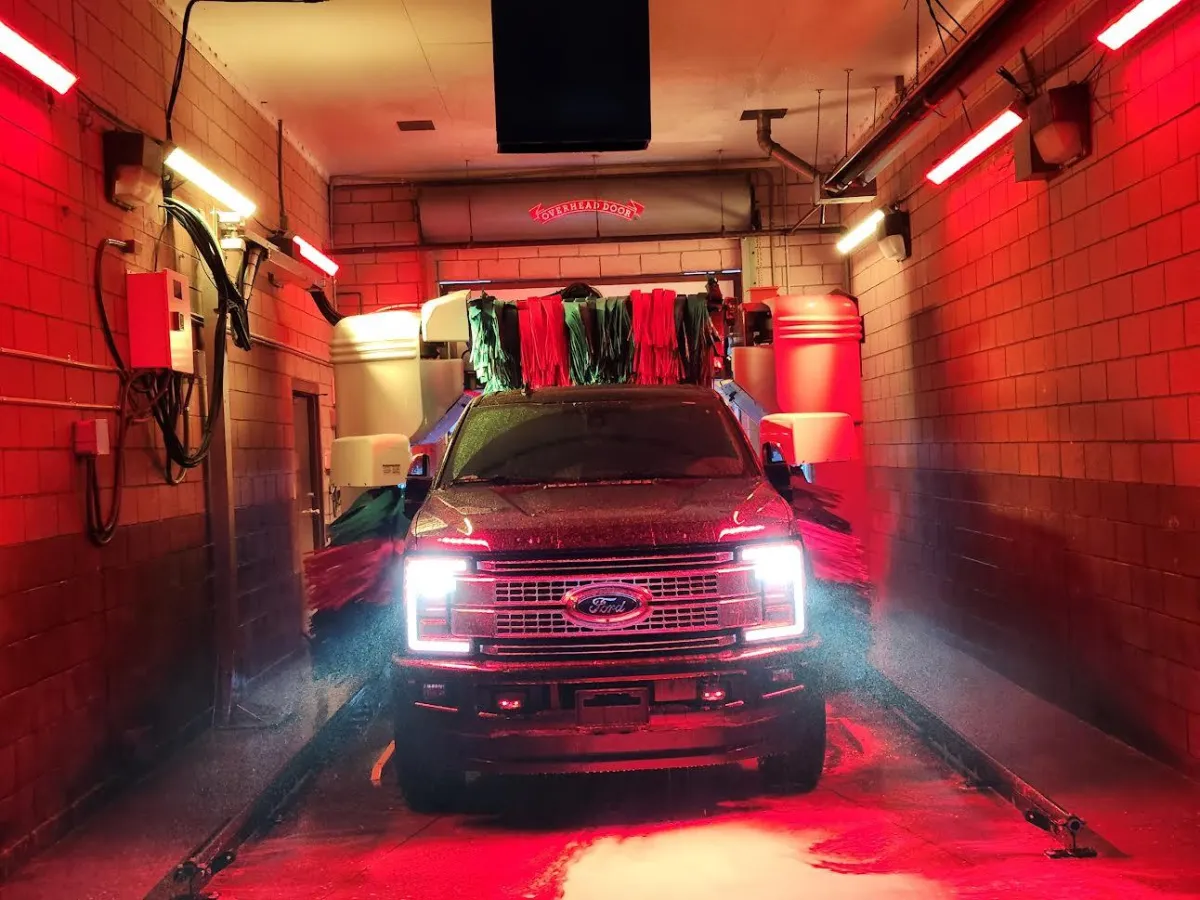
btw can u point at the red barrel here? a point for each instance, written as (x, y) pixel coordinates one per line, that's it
(817, 368)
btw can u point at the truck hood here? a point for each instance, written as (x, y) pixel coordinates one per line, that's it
(487, 518)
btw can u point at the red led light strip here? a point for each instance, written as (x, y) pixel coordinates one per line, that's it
(34, 61)
(1135, 21)
(315, 256)
(982, 141)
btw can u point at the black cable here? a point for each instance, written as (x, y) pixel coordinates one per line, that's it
(181, 59)
(283, 220)
(231, 305)
(951, 15)
(1092, 71)
(102, 525)
(232, 316)
(938, 25)
(105, 111)
(98, 284)
(332, 316)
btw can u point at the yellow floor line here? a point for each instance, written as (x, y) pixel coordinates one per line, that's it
(384, 757)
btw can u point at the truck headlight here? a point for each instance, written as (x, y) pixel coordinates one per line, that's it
(429, 586)
(779, 569)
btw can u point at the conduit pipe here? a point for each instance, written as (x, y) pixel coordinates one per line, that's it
(971, 53)
(781, 155)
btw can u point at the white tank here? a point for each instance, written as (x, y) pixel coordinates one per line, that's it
(377, 374)
(382, 384)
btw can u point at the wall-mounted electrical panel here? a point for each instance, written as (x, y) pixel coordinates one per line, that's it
(160, 321)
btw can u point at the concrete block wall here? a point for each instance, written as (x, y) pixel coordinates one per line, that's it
(104, 652)
(389, 268)
(582, 262)
(802, 261)
(1033, 396)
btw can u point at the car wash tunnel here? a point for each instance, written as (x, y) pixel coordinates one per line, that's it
(631, 449)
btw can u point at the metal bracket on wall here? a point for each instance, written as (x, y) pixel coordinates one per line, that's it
(981, 769)
(247, 714)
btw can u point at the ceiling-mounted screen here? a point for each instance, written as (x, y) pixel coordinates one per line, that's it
(571, 76)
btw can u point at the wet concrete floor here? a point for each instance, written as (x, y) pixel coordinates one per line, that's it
(889, 820)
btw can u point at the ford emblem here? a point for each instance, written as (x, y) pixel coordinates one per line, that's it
(607, 605)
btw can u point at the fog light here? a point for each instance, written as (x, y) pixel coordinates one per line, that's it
(510, 702)
(713, 692)
(433, 692)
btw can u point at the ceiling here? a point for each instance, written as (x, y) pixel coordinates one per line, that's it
(343, 72)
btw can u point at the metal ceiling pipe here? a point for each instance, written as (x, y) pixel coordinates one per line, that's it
(350, 250)
(556, 173)
(970, 54)
(782, 155)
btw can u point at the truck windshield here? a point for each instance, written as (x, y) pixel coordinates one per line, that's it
(547, 443)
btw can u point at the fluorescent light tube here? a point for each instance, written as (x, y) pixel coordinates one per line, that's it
(34, 61)
(1135, 21)
(860, 232)
(315, 256)
(182, 164)
(982, 141)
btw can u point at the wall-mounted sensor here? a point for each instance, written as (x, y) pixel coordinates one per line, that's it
(895, 236)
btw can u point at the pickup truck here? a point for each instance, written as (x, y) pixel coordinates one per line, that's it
(599, 579)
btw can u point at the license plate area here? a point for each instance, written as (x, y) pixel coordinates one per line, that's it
(676, 690)
(613, 707)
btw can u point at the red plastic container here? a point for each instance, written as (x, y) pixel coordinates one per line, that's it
(818, 369)
(817, 360)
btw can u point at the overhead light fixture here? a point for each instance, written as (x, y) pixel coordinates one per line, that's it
(1135, 21)
(979, 143)
(34, 61)
(204, 178)
(861, 232)
(315, 256)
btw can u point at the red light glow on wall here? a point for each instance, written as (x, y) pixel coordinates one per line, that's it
(982, 141)
(315, 257)
(1135, 21)
(34, 61)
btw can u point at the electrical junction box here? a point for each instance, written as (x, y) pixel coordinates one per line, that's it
(160, 321)
(1061, 122)
(1056, 134)
(90, 437)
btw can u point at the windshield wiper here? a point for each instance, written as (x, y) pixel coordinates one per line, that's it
(490, 479)
(623, 476)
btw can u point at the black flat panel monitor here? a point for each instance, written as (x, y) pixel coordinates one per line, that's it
(571, 75)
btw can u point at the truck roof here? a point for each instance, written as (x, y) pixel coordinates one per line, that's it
(574, 394)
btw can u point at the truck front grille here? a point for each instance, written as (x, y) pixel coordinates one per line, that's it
(664, 587)
(552, 621)
(697, 602)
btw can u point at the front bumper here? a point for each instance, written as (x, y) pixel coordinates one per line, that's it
(772, 696)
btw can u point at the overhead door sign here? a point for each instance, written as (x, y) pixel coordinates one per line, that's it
(627, 211)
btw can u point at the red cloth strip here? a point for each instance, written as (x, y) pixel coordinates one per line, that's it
(545, 359)
(655, 344)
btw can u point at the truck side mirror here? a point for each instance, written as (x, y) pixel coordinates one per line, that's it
(777, 470)
(418, 484)
(420, 466)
